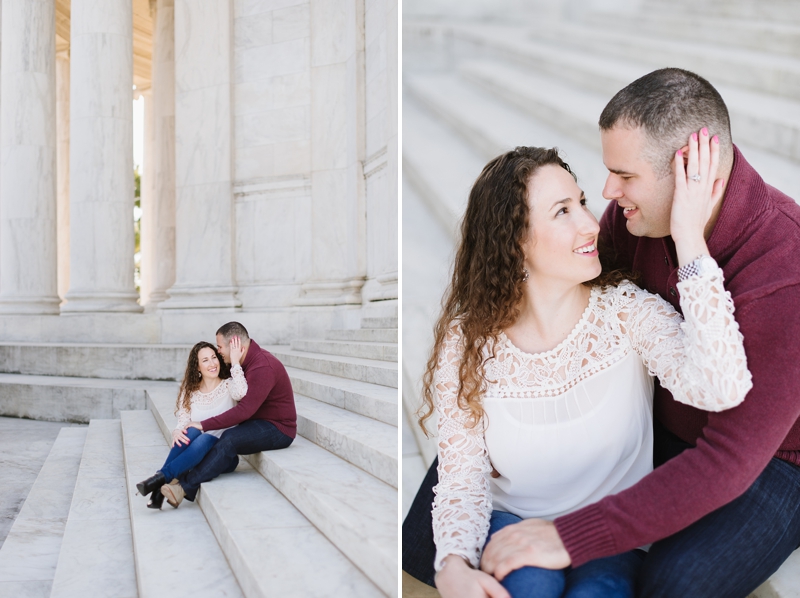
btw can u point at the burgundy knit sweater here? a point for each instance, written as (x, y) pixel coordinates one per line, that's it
(269, 395)
(756, 241)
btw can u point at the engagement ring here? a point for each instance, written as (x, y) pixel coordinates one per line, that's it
(695, 178)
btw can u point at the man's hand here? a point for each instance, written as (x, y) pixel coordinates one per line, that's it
(532, 542)
(458, 580)
(197, 425)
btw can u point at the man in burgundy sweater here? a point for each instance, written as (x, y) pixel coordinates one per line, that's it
(722, 508)
(264, 419)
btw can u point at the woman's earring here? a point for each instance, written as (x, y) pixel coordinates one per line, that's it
(199, 374)
(525, 275)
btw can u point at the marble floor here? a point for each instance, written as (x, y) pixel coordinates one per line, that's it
(24, 446)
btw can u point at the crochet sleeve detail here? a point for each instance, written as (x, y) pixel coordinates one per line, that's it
(463, 503)
(184, 418)
(238, 383)
(701, 360)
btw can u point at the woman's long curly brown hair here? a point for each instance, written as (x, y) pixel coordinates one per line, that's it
(486, 291)
(192, 378)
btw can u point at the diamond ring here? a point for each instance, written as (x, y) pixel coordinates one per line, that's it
(695, 178)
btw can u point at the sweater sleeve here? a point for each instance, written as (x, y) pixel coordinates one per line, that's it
(260, 381)
(736, 446)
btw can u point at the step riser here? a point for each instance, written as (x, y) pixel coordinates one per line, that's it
(382, 466)
(122, 363)
(67, 404)
(383, 411)
(365, 373)
(97, 550)
(387, 322)
(369, 553)
(369, 335)
(363, 351)
(29, 555)
(762, 131)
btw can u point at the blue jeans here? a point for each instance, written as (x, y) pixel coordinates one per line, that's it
(249, 437)
(182, 458)
(611, 577)
(733, 550)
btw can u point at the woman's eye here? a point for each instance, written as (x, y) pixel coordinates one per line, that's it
(584, 202)
(561, 211)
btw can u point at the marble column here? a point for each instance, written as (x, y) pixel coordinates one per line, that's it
(101, 158)
(62, 169)
(28, 159)
(204, 268)
(147, 203)
(161, 217)
(337, 155)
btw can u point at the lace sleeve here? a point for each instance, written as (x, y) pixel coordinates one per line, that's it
(700, 361)
(463, 504)
(238, 383)
(184, 417)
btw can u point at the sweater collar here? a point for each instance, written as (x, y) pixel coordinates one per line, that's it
(252, 350)
(746, 198)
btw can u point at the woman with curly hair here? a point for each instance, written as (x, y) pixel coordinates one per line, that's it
(208, 389)
(541, 372)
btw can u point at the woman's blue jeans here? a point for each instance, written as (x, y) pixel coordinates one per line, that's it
(182, 458)
(611, 577)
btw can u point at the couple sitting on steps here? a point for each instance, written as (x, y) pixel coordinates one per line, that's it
(549, 424)
(235, 399)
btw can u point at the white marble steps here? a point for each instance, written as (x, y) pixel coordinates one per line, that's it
(502, 127)
(374, 335)
(271, 547)
(355, 368)
(379, 322)
(755, 69)
(176, 553)
(363, 349)
(364, 442)
(95, 360)
(372, 400)
(29, 555)
(438, 164)
(784, 583)
(770, 36)
(761, 119)
(66, 398)
(355, 511)
(96, 556)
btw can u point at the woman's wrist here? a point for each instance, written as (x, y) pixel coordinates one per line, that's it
(690, 250)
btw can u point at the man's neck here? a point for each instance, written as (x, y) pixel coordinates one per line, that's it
(245, 349)
(725, 174)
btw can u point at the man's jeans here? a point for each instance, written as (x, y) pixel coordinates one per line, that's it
(182, 458)
(249, 437)
(728, 553)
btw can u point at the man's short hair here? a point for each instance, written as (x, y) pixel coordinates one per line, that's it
(669, 105)
(231, 329)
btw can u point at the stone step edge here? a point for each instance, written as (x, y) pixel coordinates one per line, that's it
(370, 457)
(370, 400)
(216, 574)
(253, 460)
(64, 455)
(373, 371)
(98, 564)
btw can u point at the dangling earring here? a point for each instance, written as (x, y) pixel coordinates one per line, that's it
(525, 275)
(199, 374)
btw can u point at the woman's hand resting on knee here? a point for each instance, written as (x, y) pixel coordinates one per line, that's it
(458, 580)
(179, 438)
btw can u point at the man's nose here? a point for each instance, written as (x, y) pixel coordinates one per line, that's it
(612, 189)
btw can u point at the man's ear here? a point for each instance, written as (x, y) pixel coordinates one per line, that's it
(685, 150)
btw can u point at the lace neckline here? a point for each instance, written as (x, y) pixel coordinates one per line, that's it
(213, 390)
(579, 326)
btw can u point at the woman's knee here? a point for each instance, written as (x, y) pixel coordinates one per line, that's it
(533, 582)
(193, 433)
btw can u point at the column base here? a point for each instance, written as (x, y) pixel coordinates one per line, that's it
(29, 305)
(83, 302)
(381, 288)
(345, 292)
(185, 297)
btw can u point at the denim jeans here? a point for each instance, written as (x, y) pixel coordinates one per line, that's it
(249, 437)
(182, 458)
(611, 577)
(728, 553)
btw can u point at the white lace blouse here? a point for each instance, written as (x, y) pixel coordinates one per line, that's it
(569, 426)
(210, 404)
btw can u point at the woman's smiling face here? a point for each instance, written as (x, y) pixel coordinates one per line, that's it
(208, 362)
(562, 232)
